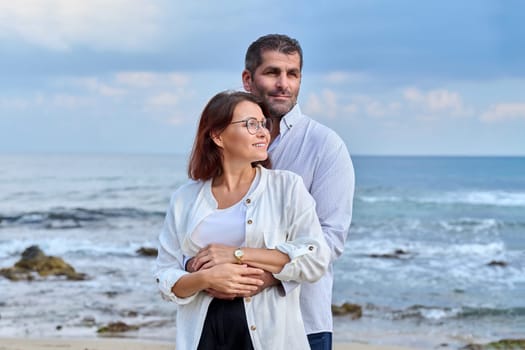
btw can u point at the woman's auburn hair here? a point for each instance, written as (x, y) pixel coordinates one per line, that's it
(206, 157)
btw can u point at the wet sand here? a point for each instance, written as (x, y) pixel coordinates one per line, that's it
(129, 344)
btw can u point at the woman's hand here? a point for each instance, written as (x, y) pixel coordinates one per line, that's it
(230, 279)
(266, 278)
(212, 255)
(234, 279)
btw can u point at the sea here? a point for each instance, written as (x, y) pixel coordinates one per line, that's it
(435, 254)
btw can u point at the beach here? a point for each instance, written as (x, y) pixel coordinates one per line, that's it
(435, 256)
(126, 344)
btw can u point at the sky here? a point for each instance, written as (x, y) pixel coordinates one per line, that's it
(400, 77)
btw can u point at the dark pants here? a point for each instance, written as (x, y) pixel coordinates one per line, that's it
(320, 341)
(225, 327)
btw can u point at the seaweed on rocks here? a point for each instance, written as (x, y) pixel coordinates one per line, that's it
(35, 261)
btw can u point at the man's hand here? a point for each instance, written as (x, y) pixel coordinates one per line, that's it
(212, 255)
(268, 281)
(189, 265)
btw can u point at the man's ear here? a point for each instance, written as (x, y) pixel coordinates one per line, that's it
(247, 80)
(216, 138)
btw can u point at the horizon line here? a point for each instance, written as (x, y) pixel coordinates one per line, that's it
(147, 153)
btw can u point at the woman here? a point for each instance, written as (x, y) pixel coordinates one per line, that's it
(238, 219)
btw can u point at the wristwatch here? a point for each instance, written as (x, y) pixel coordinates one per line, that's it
(238, 254)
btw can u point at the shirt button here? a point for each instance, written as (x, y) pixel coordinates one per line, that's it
(253, 328)
(248, 201)
(157, 280)
(310, 247)
(250, 222)
(248, 299)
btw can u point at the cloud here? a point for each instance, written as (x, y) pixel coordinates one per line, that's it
(70, 101)
(436, 101)
(504, 111)
(373, 106)
(137, 79)
(342, 77)
(177, 120)
(13, 103)
(59, 25)
(164, 99)
(376, 108)
(95, 85)
(39, 102)
(151, 79)
(332, 105)
(324, 104)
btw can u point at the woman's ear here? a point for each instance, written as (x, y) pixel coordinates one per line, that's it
(216, 138)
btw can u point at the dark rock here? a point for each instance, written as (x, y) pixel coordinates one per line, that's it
(15, 274)
(117, 327)
(129, 313)
(32, 253)
(111, 294)
(34, 260)
(472, 347)
(497, 263)
(147, 251)
(88, 321)
(503, 344)
(353, 310)
(397, 254)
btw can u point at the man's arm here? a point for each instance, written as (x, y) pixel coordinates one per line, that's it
(333, 188)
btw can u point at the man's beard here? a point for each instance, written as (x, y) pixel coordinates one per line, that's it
(276, 110)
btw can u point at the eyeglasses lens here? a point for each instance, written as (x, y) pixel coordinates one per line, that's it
(254, 125)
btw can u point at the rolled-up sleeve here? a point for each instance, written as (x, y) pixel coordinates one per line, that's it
(308, 251)
(169, 266)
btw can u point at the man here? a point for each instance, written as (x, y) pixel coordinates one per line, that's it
(273, 71)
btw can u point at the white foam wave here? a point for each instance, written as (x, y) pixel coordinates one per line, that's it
(432, 263)
(470, 224)
(61, 247)
(437, 314)
(492, 198)
(427, 250)
(378, 199)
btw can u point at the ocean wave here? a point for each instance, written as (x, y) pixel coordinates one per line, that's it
(456, 253)
(470, 224)
(442, 313)
(471, 312)
(485, 198)
(62, 218)
(426, 312)
(491, 198)
(12, 249)
(380, 199)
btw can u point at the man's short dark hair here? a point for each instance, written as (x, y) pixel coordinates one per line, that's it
(271, 42)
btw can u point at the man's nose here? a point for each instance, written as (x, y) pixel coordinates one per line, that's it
(282, 81)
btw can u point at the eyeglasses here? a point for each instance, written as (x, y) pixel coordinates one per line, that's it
(253, 125)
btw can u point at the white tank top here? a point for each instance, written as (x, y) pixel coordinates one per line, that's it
(225, 226)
